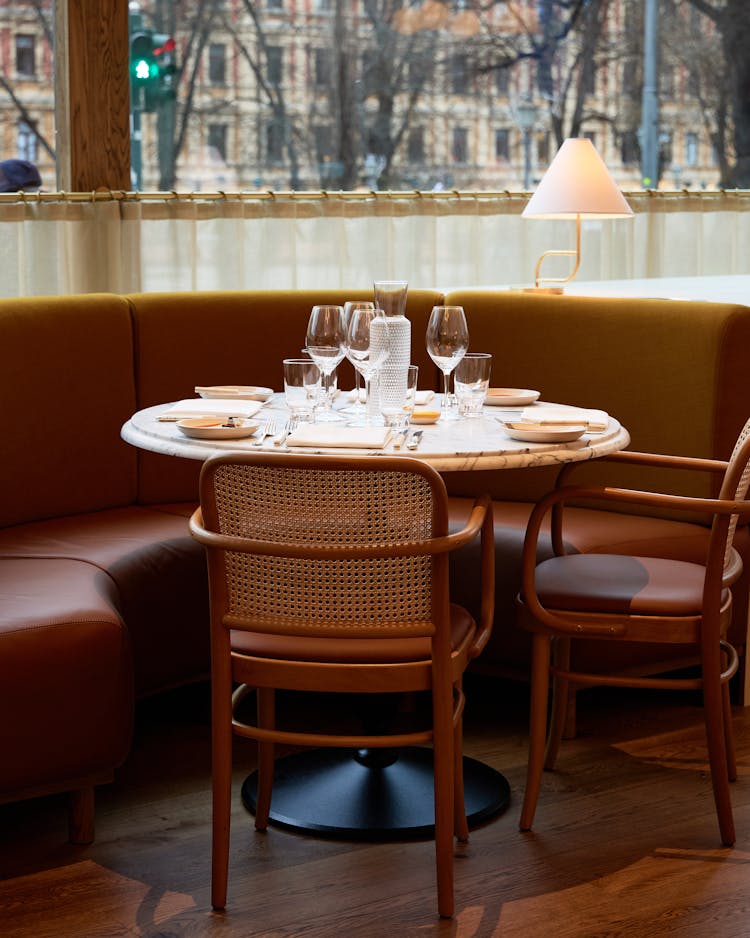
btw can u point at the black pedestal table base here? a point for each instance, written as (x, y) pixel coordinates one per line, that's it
(334, 793)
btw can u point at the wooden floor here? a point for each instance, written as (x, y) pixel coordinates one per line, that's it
(625, 842)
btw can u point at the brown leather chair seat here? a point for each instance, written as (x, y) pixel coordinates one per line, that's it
(155, 575)
(66, 684)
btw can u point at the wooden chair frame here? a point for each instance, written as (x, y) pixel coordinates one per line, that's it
(440, 673)
(705, 632)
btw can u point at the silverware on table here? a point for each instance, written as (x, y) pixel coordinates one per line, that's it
(290, 425)
(268, 429)
(415, 439)
(399, 438)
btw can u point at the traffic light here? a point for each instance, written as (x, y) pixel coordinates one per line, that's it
(153, 69)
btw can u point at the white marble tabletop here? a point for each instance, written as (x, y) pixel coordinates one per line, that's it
(462, 445)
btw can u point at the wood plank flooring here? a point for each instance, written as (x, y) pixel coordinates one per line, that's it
(625, 842)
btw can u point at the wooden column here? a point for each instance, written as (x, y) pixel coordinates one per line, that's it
(93, 95)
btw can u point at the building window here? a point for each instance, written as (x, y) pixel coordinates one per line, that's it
(630, 151)
(691, 149)
(274, 59)
(275, 4)
(459, 74)
(502, 82)
(542, 147)
(217, 142)
(694, 83)
(25, 56)
(275, 142)
(666, 81)
(323, 69)
(217, 63)
(416, 145)
(419, 69)
(460, 147)
(27, 142)
(502, 145)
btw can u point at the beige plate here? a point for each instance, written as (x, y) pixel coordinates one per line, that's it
(240, 392)
(529, 433)
(510, 397)
(199, 428)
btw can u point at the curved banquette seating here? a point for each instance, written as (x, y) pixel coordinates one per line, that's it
(103, 593)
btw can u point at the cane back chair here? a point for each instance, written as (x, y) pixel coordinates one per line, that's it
(331, 574)
(621, 598)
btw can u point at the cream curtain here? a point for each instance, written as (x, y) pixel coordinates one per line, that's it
(57, 243)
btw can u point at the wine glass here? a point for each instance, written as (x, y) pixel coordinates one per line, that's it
(366, 348)
(447, 341)
(359, 407)
(325, 345)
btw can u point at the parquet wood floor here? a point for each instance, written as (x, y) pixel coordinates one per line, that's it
(625, 842)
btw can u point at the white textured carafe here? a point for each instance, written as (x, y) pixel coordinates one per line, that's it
(388, 385)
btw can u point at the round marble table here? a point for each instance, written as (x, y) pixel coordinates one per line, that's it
(372, 795)
(457, 445)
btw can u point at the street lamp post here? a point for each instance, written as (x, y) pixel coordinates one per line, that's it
(526, 113)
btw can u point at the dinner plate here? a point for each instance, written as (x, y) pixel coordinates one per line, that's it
(200, 428)
(241, 392)
(424, 416)
(528, 433)
(510, 397)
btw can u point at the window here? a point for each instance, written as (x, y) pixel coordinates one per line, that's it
(323, 68)
(694, 83)
(415, 145)
(25, 56)
(460, 147)
(322, 135)
(691, 149)
(275, 142)
(502, 82)
(217, 63)
(542, 147)
(502, 145)
(275, 4)
(274, 60)
(217, 142)
(419, 70)
(630, 151)
(27, 142)
(459, 74)
(666, 81)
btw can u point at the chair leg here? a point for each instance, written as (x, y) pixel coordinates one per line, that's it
(221, 754)
(560, 699)
(81, 816)
(713, 708)
(728, 728)
(267, 720)
(540, 660)
(444, 767)
(460, 824)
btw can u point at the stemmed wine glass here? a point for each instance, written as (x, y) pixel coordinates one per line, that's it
(359, 407)
(365, 350)
(325, 345)
(447, 341)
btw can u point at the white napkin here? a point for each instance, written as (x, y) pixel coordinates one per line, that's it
(217, 406)
(420, 398)
(564, 415)
(315, 434)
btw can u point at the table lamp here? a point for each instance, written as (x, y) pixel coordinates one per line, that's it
(576, 185)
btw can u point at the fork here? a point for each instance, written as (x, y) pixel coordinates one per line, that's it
(290, 425)
(269, 429)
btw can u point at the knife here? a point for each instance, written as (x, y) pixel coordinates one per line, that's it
(415, 439)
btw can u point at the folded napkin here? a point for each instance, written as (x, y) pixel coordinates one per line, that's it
(420, 398)
(217, 406)
(315, 434)
(564, 416)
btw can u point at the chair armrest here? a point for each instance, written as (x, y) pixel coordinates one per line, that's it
(487, 579)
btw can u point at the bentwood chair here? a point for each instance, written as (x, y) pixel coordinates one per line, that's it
(331, 574)
(620, 598)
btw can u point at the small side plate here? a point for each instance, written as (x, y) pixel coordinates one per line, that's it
(240, 392)
(528, 433)
(510, 397)
(200, 428)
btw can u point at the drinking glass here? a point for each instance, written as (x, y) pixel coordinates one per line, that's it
(325, 345)
(447, 340)
(301, 387)
(397, 413)
(471, 381)
(359, 407)
(390, 296)
(366, 356)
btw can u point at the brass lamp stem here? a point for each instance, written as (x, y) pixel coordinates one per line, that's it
(576, 254)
